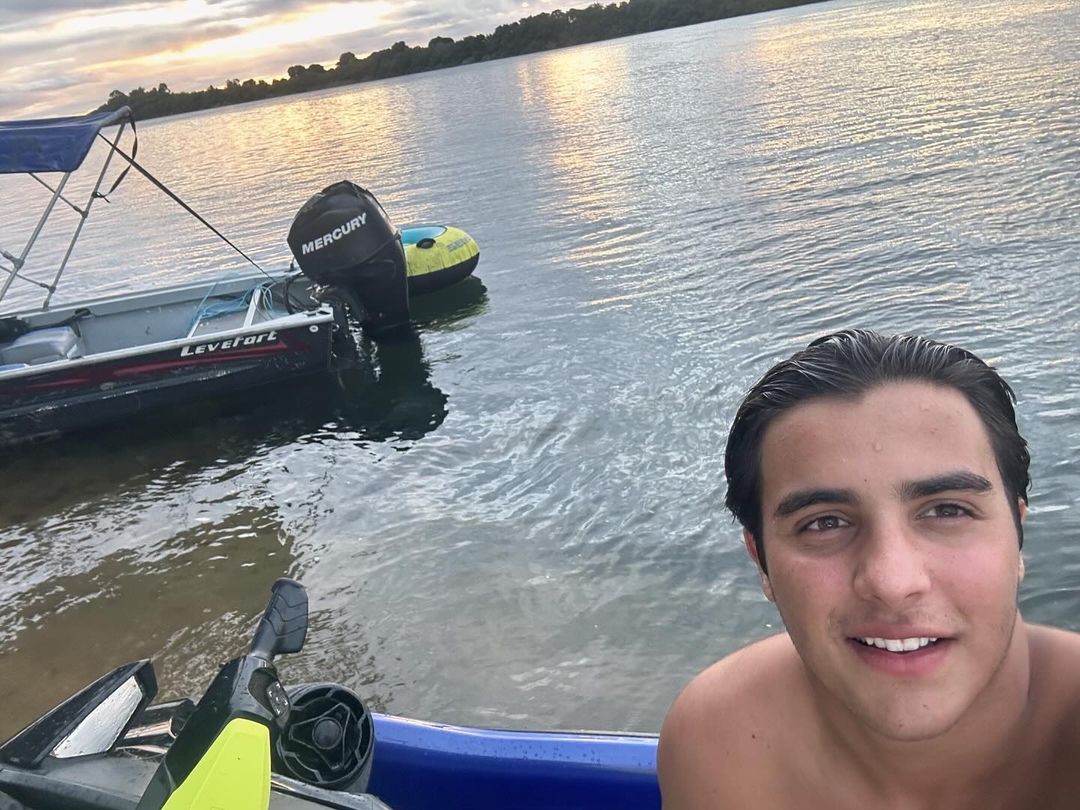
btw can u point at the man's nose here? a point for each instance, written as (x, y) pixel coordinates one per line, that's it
(891, 565)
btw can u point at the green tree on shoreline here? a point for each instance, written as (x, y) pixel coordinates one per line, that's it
(540, 32)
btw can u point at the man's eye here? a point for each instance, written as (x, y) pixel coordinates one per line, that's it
(947, 510)
(826, 523)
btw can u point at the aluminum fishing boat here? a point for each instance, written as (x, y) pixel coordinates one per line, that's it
(96, 361)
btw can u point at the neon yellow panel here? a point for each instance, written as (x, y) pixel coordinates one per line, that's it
(233, 775)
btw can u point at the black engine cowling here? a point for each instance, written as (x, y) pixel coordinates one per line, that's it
(343, 239)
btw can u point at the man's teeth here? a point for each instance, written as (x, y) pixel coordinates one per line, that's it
(897, 644)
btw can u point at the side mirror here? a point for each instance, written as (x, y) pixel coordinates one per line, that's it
(89, 722)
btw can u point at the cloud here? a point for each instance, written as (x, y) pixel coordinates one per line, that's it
(48, 85)
(70, 71)
(64, 56)
(18, 13)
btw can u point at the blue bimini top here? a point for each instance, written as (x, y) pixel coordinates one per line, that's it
(52, 144)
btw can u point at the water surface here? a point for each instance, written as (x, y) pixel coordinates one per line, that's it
(517, 519)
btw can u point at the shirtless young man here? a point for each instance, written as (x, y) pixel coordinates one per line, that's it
(882, 487)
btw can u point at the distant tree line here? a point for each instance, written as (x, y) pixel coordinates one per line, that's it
(541, 32)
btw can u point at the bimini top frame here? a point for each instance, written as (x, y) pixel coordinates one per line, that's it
(54, 145)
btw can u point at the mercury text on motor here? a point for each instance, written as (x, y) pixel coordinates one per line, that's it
(329, 239)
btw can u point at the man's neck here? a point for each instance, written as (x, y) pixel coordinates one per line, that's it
(969, 758)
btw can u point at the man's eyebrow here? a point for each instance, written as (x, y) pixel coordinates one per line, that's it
(960, 480)
(802, 498)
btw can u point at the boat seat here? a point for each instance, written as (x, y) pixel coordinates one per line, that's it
(41, 346)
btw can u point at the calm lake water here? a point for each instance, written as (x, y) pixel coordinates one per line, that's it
(518, 520)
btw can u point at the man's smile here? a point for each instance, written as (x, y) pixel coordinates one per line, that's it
(897, 645)
(903, 656)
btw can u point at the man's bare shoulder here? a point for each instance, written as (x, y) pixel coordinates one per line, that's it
(739, 681)
(1056, 641)
(1055, 661)
(1054, 728)
(725, 729)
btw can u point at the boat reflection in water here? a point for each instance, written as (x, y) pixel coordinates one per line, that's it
(384, 390)
(444, 310)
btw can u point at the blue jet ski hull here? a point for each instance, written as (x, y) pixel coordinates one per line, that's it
(418, 765)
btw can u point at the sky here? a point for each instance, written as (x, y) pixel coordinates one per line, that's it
(61, 57)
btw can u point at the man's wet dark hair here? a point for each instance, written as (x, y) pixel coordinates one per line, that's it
(848, 364)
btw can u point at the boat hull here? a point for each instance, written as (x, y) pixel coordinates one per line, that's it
(61, 397)
(419, 765)
(76, 396)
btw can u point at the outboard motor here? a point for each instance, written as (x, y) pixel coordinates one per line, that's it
(343, 240)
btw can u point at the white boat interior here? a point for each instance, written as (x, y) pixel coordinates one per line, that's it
(122, 324)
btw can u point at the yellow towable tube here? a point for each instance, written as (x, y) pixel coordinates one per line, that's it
(438, 256)
(234, 773)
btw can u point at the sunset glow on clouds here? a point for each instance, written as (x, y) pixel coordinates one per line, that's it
(65, 56)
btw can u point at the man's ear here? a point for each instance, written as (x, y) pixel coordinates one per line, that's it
(751, 549)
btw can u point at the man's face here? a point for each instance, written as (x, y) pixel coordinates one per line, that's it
(886, 523)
